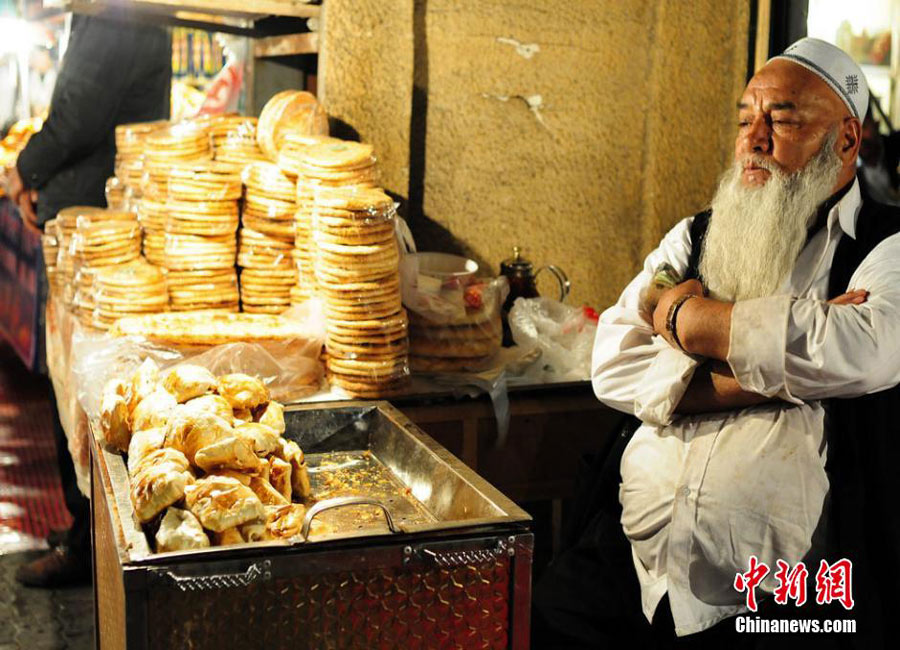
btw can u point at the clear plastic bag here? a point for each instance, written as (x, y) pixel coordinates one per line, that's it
(564, 335)
(115, 191)
(454, 318)
(290, 367)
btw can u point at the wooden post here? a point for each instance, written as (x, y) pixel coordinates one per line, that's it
(763, 27)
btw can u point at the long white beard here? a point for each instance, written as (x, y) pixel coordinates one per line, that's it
(756, 233)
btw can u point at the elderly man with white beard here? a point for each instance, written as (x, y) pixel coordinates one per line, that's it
(760, 385)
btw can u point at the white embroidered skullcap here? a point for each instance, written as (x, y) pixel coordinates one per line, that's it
(836, 68)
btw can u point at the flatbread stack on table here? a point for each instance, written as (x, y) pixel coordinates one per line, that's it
(102, 239)
(152, 215)
(294, 146)
(131, 289)
(170, 145)
(234, 141)
(464, 343)
(179, 142)
(331, 163)
(66, 221)
(357, 273)
(83, 300)
(130, 144)
(202, 217)
(267, 239)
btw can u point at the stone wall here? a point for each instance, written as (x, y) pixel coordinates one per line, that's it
(580, 131)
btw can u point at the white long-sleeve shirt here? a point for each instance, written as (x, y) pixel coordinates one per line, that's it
(702, 493)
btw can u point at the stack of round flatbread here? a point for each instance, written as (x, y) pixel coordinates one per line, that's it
(66, 224)
(107, 240)
(201, 273)
(183, 141)
(129, 290)
(204, 181)
(269, 201)
(203, 289)
(131, 141)
(267, 239)
(131, 171)
(200, 243)
(83, 300)
(114, 238)
(152, 215)
(330, 163)
(131, 138)
(357, 275)
(267, 272)
(234, 141)
(222, 127)
(294, 146)
(289, 111)
(465, 343)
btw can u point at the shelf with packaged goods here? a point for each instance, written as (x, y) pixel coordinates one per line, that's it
(217, 15)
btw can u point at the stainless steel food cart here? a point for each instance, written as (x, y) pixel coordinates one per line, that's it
(441, 560)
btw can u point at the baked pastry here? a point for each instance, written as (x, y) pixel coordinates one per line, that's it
(209, 328)
(214, 404)
(265, 440)
(114, 418)
(221, 502)
(228, 537)
(143, 383)
(160, 480)
(142, 443)
(290, 452)
(242, 416)
(179, 530)
(189, 432)
(272, 415)
(286, 521)
(238, 476)
(232, 452)
(280, 476)
(243, 391)
(266, 493)
(161, 456)
(255, 532)
(153, 411)
(188, 381)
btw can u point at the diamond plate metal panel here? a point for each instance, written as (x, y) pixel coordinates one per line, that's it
(413, 605)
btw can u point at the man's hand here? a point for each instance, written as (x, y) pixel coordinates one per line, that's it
(25, 199)
(854, 297)
(692, 287)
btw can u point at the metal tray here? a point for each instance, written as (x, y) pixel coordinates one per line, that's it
(380, 476)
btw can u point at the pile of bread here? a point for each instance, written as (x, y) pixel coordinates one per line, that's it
(207, 460)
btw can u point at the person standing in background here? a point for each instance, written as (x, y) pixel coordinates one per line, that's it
(42, 81)
(114, 72)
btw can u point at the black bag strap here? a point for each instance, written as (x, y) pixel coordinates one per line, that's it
(698, 233)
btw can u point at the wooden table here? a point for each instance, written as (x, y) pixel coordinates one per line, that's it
(551, 428)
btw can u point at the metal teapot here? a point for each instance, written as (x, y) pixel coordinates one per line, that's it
(521, 276)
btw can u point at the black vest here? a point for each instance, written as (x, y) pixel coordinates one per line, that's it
(863, 436)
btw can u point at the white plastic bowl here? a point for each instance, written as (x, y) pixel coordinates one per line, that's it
(444, 266)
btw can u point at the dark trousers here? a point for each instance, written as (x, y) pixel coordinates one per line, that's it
(79, 536)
